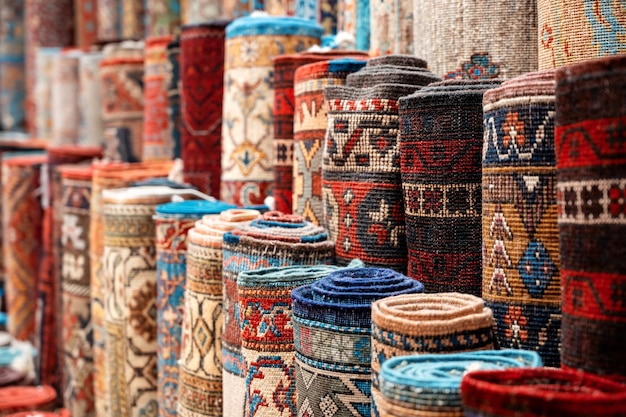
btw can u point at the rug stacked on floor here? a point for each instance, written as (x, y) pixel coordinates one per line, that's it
(430, 385)
(121, 72)
(173, 221)
(132, 18)
(200, 385)
(521, 280)
(464, 40)
(591, 183)
(109, 20)
(157, 138)
(426, 323)
(202, 87)
(361, 181)
(274, 240)
(309, 128)
(332, 327)
(247, 131)
(441, 142)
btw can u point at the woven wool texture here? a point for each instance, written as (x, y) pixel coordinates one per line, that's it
(309, 128)
(129, 272)
(43, 92)
(173, 221)
(521, 280)
(109, 18)
(267, 336)
(332, 327)
(163, 17)
(86, 21)
(589, 125)
(274, 240)
(22, 225)
(440, 143)
(90, 100)
(157, 138)
(361, 181)
(466, 40)
(133, 18)
(121, 72)
(17, 399)
(425, 323)
(12, 56)
(202, 87)
(541, 392)
(64, 98)
(392, 31)
(173, 96)
(76, 329)
(47, 23)
(285, 67)
(575, 31)
(247, 130)
(430, 385)
(200, 384)
(106, 177)
(199, 11)
(50, 274)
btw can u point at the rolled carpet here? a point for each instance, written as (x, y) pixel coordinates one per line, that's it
(90, 99)
(430, 385)
(521, 281)
(64, 98)
(426, 323)
(200, 384)
(332, 330)
(173, 221)
(441, 143)
(16, 399)
(541, 392)
(42, 94)
(274, 240)
(591, 179)
(247, 131)
(12, 65)
(173, 96)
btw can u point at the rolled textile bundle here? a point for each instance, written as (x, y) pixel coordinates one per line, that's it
(591, 172)
(541, 392)
(173, 96)
(199, 11)
(106, 176)
(465, 40)
(332, 327)
(426, 323)
(47, 23)
(285, 67)
(12, 57)
(16, 399)
(393, 31)
(42, 95)
(22, 225)
(64, 102)
(49, 309)
(521, 282)
(202, 86)
(267, 336)
(129, 272)
(163, 17)
(86, 20)
(247, 131)
(353, 17)
(232, 9)
(133, 17)
(394, 69)
(173, 221)
(157, 138)
(361, 180)
(90, 100)
(109, 20)
(309, 128)
(440, 146)
(430, 385)
(279, 7)
(76, 330)
(274, 240)
(200, 385)
(121, 72)
(571, 31)
(322, 11)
